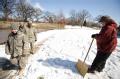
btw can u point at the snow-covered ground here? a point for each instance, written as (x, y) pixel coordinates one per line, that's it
(59, 52)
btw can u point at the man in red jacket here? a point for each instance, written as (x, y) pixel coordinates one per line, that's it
(106, 43)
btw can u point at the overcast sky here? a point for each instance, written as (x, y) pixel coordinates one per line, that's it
(95, 7)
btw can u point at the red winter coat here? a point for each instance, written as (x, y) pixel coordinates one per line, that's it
(107, 38)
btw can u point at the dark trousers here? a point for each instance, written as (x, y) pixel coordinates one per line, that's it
(99, 61)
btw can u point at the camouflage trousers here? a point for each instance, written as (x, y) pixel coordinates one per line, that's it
(32, 47)
(21, 61)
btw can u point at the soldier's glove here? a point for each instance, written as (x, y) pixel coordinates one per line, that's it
(94, 35)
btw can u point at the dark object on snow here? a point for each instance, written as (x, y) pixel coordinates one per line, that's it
(2, 43)
(41, 78)
(5, 64)
(7, 69)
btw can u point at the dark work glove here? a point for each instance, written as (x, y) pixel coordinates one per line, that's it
(93, 35)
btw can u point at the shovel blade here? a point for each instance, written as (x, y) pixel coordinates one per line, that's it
(82, 67)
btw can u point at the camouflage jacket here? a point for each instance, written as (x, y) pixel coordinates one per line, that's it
(22, 29)
(17, 45)
(31, 34)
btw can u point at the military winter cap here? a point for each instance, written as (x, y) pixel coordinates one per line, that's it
(14, 27)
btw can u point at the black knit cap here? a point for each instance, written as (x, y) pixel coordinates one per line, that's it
(104, 18)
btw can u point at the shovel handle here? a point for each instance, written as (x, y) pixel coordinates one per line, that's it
(88, 50)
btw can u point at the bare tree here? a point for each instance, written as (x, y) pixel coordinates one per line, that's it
(49, 17)
(98, 17)
(24, 10)
(37, 14)
(82, 16)
(73, 17)
(7, 7)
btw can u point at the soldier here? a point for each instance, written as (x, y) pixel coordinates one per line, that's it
(30, 32)
(21, 27)
(17, 47)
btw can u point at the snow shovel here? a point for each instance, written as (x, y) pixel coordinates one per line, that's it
(82, 67)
